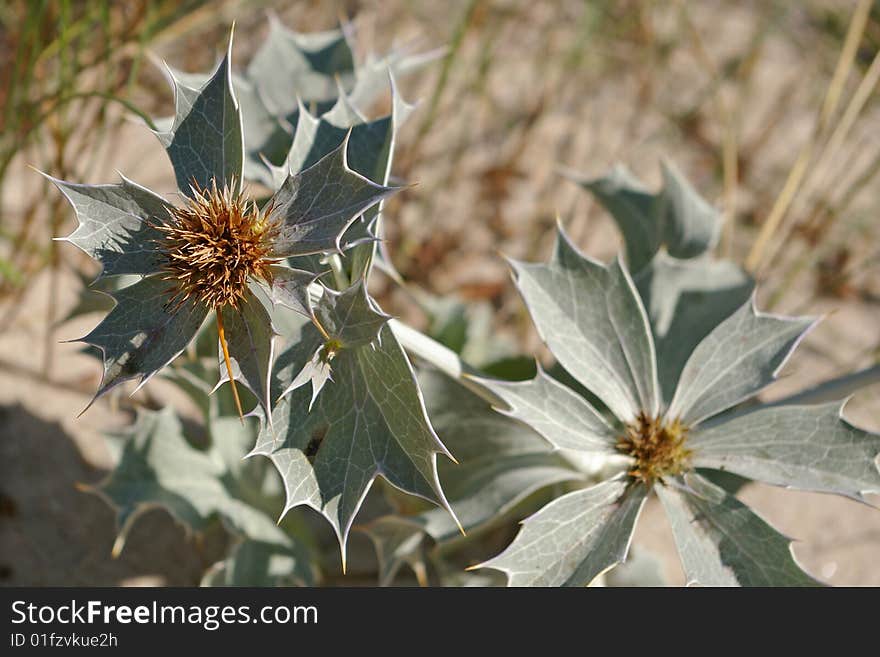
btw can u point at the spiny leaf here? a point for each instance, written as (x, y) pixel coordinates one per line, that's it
(685, 300)
(293, 70)
(675, 217)
(317, 371)
(371, 77)
(369, 148)
(690, 225)
(159, 467)
(370, 152)
(371, 421)
(347, 320)
(251, 339)
(350, 317)
(342, 114)
(141, 335)
(290, 288)
(205, 142)
(575, 538)
(556, 412)
(805, 447)
(722, 542)
(266, 136)
(114, 224)
(318, 204)
(592, 319)
(500, 461)
(288, 65)
(741, 356)
(633, 208)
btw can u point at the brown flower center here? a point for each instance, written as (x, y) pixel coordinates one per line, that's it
(657, 446)
(213, 244)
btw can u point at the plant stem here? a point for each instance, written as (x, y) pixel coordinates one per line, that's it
(441, 357)
(339, 275)
(225, 348)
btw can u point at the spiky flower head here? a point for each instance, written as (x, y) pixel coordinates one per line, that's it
(656, 446)
(214, 244)
(205, 254)
(675, 414)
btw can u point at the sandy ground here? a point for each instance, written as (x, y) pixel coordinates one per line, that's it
(471, 203)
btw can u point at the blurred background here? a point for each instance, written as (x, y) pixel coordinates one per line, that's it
(770, 108)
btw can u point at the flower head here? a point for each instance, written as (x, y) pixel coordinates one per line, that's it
(209, 252)
(669, 415)
(214, 244)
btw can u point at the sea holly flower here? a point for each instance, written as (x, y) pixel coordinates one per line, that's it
(593, 320)
(204, 254)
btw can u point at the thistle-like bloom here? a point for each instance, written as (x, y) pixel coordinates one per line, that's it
(210, 252)
(666, 416)
(215, 245)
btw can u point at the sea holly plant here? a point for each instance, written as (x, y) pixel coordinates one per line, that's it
(204, 254)
(270, 273)
(258, 272)
(593, 320)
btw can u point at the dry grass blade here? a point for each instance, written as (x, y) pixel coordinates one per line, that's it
(829, 106)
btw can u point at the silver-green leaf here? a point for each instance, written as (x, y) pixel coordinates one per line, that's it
(591, 318)
(206, 140)
(115, 224)
(144, 332)
(804, 447)
(349, 318)
(370, 421)
(290, 288)
(288, 65)
(500, 461)
(556, 412)
(724, 543)
(256, 563)
(633, 208)
(675, 217)
(690, 225)
(316, 206)
(251, 342)
(741, 356)
(159, 467)
(685, 300)
(317, 371)
(575, 538)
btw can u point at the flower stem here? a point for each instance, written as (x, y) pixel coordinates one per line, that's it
(225, 348)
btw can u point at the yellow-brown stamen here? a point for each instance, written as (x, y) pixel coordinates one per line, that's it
(657, 446)
(212, 246)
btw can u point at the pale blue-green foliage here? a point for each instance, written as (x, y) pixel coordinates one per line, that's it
(676, 218)
(679, 336)
(153, 320)
(158, 466)
(333, 176)
(501, 463)
(295, 77)
(572, 540)
(205, 142)
(347, 320)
